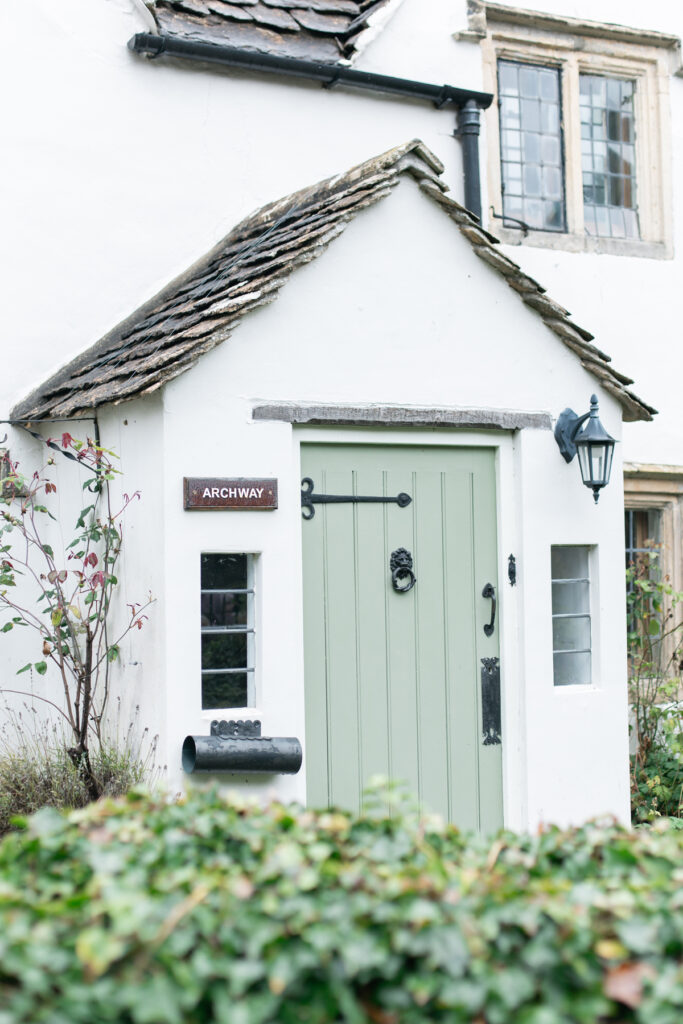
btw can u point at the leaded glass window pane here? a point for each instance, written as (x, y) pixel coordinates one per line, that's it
(608, 157)
(227, 630)
(531, 145)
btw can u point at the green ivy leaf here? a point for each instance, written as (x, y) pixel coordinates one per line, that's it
(41, 667)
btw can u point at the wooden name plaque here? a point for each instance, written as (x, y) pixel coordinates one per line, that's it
(229, 493)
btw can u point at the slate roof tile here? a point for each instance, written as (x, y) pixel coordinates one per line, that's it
(326, 24)
(230, 11)
(327, 30)
(201, 308)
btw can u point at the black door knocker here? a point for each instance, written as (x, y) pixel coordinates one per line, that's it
(402, 575)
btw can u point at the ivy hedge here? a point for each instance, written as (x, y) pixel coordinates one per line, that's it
(212, 911)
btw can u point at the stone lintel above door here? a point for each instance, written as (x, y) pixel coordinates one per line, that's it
(401, 416)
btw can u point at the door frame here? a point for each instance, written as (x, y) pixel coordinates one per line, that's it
(506, 446)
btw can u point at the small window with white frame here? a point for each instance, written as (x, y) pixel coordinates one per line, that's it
(227, 630)
(571, 611)
(581, 128)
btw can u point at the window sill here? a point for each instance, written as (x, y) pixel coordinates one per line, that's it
(208, 714)
(583, 243)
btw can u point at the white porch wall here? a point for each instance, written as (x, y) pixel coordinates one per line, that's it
(137, 682)
(400, 310)
(136, 433)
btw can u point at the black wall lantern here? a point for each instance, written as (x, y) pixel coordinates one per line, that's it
(593, 444)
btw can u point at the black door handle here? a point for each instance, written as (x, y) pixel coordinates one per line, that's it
(490, 591)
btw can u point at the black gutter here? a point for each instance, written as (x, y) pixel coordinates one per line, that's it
(467, 102)
(328, 75)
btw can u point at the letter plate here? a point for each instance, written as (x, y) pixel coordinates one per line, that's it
(229, 493)
(490, 701)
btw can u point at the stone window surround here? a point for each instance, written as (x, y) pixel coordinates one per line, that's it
(661, 487)
(588, 48)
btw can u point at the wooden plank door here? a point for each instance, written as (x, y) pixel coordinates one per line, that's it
(394, 679)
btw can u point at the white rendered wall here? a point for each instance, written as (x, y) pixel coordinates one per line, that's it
(629, 303)
(400, 310)
(119, 172)
(137, 700)
(136, 433)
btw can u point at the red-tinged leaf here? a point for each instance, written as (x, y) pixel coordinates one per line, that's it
(97, 579)
(90, 559)
(377, 1015)
(624, 983)
(67, 439)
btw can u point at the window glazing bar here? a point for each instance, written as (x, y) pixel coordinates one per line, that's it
(230, 590)
(224, 671)
(219, 630)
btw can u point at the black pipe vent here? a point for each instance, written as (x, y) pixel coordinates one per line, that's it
(239, 748)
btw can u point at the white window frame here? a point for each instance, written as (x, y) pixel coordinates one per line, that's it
(584, 48)
(589, 613)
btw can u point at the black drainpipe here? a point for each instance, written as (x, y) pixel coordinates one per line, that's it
(467, 102)
(468, 131)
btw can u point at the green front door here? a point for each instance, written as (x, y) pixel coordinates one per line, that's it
(394, 678)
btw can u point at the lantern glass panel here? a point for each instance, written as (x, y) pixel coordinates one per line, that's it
(583, 453)
(598, 458)
(608, 462)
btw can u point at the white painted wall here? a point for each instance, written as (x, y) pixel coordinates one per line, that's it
(629, 303)
(137, 696)
(120, 172)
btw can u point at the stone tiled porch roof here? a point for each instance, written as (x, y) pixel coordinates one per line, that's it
(202, 307)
